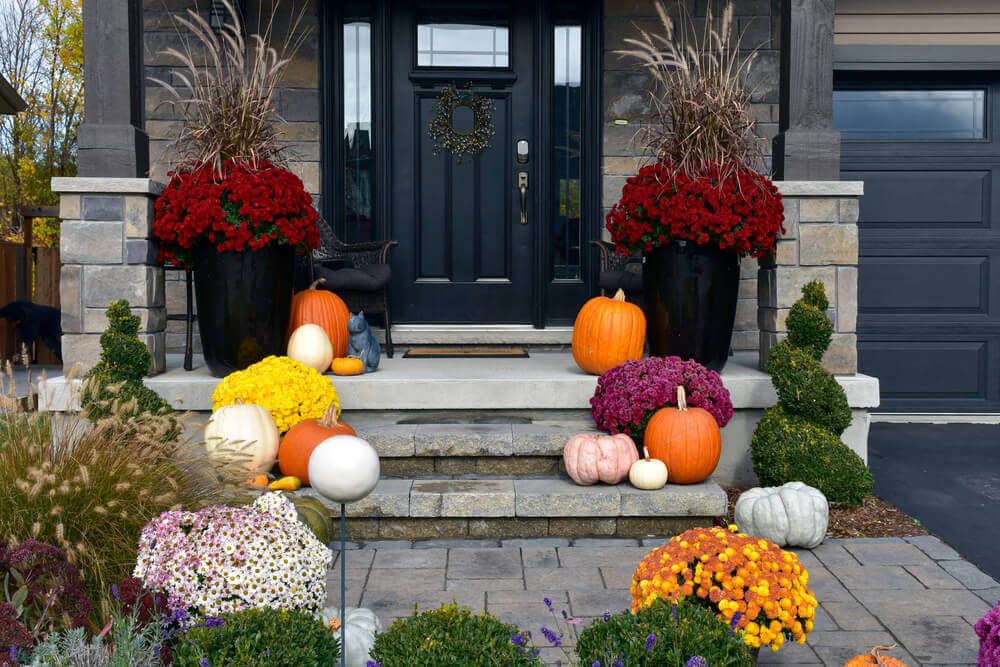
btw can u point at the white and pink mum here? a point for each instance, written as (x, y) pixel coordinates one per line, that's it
(223, 559)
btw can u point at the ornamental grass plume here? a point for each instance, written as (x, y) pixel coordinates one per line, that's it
(88, 488)
(628, 395)
(754, 586)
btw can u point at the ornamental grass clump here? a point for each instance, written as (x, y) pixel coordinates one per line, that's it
(289, 390)
(628, 395)
(662, 634)
(799, 438)
(751, 584)
(88, 488)
(225, 559)
(264, 637)
(451, 635)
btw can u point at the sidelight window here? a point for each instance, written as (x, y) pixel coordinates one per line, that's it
(568, 120)
(359, 163)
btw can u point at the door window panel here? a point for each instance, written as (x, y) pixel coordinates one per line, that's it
(359, 164)
(910, 114)
(566, 101)
(462, 45)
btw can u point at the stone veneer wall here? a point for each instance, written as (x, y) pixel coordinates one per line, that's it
(107, 255)
(298, 103)
(626, 99)
(820, 243)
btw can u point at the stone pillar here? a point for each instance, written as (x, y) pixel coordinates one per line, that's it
(107, 253)
(807, 147)
(820, 243)
(111, 140)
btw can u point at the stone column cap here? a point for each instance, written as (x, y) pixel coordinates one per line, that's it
(818, 188)
(103, 186)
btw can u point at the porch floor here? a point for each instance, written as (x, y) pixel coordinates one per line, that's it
(547, 380)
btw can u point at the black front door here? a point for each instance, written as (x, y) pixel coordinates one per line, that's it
(466, 235)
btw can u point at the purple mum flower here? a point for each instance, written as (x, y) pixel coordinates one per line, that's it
(629, 394)
(988, 630)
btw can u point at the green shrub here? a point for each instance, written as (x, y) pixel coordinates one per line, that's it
(673, 635)
(807, 389)
(117, 376)
(809, 329)
(450, 635)
(259, 638)
(814, 294)
(788, 448)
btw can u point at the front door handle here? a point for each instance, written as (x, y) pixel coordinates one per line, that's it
(522, 186)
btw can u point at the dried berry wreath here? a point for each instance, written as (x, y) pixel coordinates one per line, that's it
(442, 129)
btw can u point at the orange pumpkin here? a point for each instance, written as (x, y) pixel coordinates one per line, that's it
(300, 441)
(347, 366)
(318, 306)
(686, 439)
(875, 658)
(607, 333)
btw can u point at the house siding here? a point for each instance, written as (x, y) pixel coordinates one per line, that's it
(624, 97)
(917, 22)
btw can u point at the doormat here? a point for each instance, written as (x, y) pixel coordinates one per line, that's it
(484, 352)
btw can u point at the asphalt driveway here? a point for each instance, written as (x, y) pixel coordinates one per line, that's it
(948, 477)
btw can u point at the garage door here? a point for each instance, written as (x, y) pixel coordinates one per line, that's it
(929, 281)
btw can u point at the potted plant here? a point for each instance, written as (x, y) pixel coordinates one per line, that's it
(232, 212)
(702, 202)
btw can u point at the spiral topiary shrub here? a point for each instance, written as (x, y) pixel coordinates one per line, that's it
(662, 634)
(789, 448)
(807, 389)
(117, 376)
(451, 635)
(798, 439)
(809, 328)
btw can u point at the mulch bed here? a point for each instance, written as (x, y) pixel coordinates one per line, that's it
(876, 517)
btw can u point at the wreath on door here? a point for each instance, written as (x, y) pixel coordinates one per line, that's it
(442, 127)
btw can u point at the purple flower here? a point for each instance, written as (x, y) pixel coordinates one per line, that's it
(203, 662)
(214, 622)
(548, 603)
(617, 662)
(629, 394)
(114, 592)
(517, 640)
(734, 621)
(551, 637)
(673, 612)
(372, 663)
(696, 661)
(597, 663)
(988, 630)
(650, 642)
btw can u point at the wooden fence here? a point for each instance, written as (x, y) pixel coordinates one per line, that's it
(37, 280)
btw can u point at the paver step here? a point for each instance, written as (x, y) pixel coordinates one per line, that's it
(535, 439)
(492, 508)
(549, 497)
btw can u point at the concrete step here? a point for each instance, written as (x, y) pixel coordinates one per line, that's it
(525, 507)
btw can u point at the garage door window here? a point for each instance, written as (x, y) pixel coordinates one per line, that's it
(904, 115)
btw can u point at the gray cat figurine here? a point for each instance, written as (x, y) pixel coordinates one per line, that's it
(361, 343)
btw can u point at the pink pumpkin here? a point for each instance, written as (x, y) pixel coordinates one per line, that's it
(599, 458)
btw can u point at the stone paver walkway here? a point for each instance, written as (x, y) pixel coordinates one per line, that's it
(917, 593)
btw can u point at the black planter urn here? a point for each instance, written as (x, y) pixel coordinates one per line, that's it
(689, 298)
(244, 302)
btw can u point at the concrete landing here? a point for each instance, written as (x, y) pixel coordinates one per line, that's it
(544, 381)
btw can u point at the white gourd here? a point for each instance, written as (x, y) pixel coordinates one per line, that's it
(648, 474)
(356, 634)
(310, 345)
(793, 514)
(243, 432)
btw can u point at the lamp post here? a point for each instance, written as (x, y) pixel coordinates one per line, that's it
(344, 469)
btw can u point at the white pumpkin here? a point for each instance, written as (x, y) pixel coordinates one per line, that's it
(245, 433)
(793, 514)
(356, 634)
(344, 468)
(310, 345)
(648, 474)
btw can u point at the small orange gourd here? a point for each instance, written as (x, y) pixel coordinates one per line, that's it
(687, 439)
(875, 658)
(322, 307)
(347, 366)
(607, 333)
(258, 481)
(300, 441)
